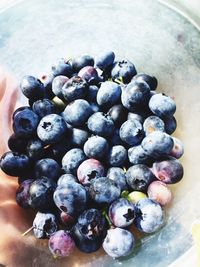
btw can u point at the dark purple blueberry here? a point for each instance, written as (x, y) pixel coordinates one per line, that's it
(118, 175)
(131, 132)
(108, 94)
(44, 225)
(123, 70)
(101, 124)
(122, 212)
(178, 148)
(96, 147)
(105, 60)
(149, 215)
(47, 168)
(170, 124)
(15, 164)
(25, 123)
(139, 177)
(74, 88)
(77, 112)
(17, 143)
(72, 159)
(65, 219)
(62, 67)
(35, 149)
(22, 194)
(118, 114)
(57, 84)
(90, 230)
(71, 198)
(115, 248)
(41, 194)
(18, 110)
(169, 171)
(32, 87)
(43, 107)
(61, 244)
(157, 144)
(103, 190)
(117, 156)
(162, 105)
(81, 62)
(89, 74)
(51, 128)
(150, 80)
(88, 170)
(135, 95)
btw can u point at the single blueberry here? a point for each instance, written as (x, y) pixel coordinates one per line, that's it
(153, 123)
(90, 75)
(118, 176)
(72, 159)
(43, 107)
(131, 132)
(150, 80)
(117, 156)
(47, 168)
(170, 124)
(17, 143)
(78, 137)
(81, 62)
(105, 59)
(95, 147)
(32, 87)
(22, 193)
(35, 149)
(62, 67)
(137, 155)
(123, 70)
(118, 114)
(57, 84)
(66, 178)
(162, 105)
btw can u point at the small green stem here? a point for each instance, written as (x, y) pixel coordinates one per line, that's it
(107, 218)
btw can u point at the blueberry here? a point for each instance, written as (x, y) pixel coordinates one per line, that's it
(62, 67)
(139, 177)
(65, 179)
(17, 143)
(117, 156)
(44, 225)
(51, 128)
(135, 95)
(74, 88)
(149, 216)
(95, 107)
(25, 123)
(81, 62)
(61, 244)
(41, 194)
(89, 74)
(22, 194)
(121, 212)
(103, 190)
(35, 149)
(77, 112)
(57, 84)
(131, 132)
(105, 59)
(117, 249)
(47, 168)
(78, 137)
(65, 219)
(43, 107)
(159, 192)
(72, 159)
(108, 94)
(101, 124)
(178, 148)
(71, 198)
(123, 70)
(118, 176)
(118, 114)
(137, 155)
(170, 124)
(169, 171)
(88, 170)
(32, 87)
(135, 116)
(95, 147)
(157, 144)
(90, 230)
(59, 149)
(92, 93)
(15, 164)
(150, 80)
(153, 123)
(162, 105)
(18, 110)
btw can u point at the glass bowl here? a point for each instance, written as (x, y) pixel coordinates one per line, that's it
(159, 41)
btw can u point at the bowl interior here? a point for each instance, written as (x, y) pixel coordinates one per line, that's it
(158, 41)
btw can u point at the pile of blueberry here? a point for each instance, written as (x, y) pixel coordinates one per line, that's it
(94, 153)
